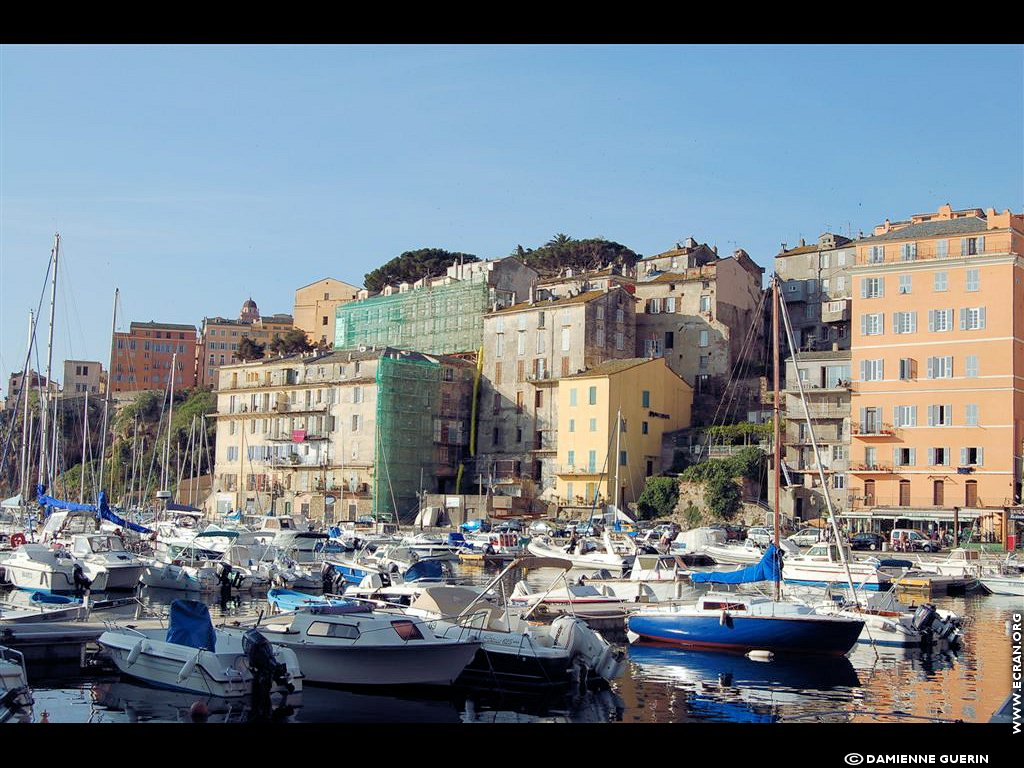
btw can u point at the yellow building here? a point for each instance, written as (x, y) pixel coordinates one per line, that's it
(937, 405)
(316, 307)
(651, 399)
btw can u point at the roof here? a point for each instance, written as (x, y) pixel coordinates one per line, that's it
(678, 277)
(801, 249)
(961, 226)
(325, 279)
(611, 367)
(545, 303)
(172, 326)
(831, 354)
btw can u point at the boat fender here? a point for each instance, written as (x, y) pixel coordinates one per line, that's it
(133, 654)
(760, 655)
(17, 540)
(188, 668)
(236, 580)
(725, 620)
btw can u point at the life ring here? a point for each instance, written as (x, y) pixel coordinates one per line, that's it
(17, 539)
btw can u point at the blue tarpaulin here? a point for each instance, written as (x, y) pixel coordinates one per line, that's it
(102, 510)
(191, 625)
(767, 569)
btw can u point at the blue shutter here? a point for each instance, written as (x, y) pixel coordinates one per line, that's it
(981, 457)
(963, 318)
(981, 249)
(931, 367)
(931, 320)
(963, 457)
(931, 457)
(981, 318)
(931, 415)
(913, 415)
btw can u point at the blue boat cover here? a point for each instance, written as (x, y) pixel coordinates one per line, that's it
(767, 569)
(191, 625)
(50, 598)
(456, 539)
(102, 509)
(171, 507)
(424, 569)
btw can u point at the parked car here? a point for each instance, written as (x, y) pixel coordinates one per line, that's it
(917, 540)
(732, 532)
(870, 541)
(541, 528)
(478, 524)
(509, 526)
(760, 536)
(806, 537)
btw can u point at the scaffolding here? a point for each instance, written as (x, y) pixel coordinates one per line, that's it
(437, 320)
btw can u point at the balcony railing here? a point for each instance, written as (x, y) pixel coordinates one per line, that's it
(581, 469)
(871, 469)
(873, 430)
(928, 251)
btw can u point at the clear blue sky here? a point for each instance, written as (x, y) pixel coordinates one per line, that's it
(194, 176)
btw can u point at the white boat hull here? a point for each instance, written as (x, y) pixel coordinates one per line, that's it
(1004, 585)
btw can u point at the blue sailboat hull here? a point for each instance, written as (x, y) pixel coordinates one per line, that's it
(747, 633)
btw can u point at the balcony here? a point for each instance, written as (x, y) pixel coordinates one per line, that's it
(873, 430)
(285, 407)
(835, 311)
(308, 438)
(927, 251)
(819, 411)
(571, 470)
(871, 469)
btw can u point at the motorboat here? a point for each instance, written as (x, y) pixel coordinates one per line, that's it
(588, 553)
(889, 623)
(15, 694)
(426, 545)
(355, 645)
(105, 551)
(574, 595)
(400, 588)
(823, 566)
(963, 565)
(38, 567)
(42, 606)
(284, 600)
(179, 575)
(1008, 579)
(515, 652)
(190, 655)
(745, 553)
(652, 578)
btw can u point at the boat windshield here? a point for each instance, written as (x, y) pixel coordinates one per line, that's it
(106, 544)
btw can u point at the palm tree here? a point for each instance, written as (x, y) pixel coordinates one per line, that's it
(561, 240)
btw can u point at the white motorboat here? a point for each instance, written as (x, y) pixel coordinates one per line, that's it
(961, 564)
(516, 653)
(104, 551)
(21, 608)
(38, 567)
(889, 623)
(823, 566)
(190, 655)
(179, 575)
(15, 695)
(1008, 579)
(740, 554)
(653, 578)
(588, 553)
(357, 646)
(427, 545)
(574, 595)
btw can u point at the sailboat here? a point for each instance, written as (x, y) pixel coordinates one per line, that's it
(745, 623)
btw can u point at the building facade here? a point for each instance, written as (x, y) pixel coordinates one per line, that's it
(938, 361)
(439, 316)
(143, 355)
(81, 376)
(527, 348)
(650, 399)
(316, 307)
(339, 435)
(220, 337)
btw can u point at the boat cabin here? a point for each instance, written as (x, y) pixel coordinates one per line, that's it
(96, 544)
(828, 552)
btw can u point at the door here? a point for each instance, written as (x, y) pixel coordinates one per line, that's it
(869, 493)
(904, 493)
(938, 493)
(971, 494)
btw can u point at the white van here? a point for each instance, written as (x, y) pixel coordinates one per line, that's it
(918, 542)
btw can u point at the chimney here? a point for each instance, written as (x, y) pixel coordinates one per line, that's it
(784, 247)
(802, 243)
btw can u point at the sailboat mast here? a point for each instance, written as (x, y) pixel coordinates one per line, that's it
(85, 440)
(776, 431)
(25, 415)
(170, 418)
(110, 381)
(618, 453)
(44, 426)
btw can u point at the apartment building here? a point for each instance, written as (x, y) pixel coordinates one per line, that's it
(316, 307)
(220, 337)
(938, 361)
(81, 376)
(143, 355)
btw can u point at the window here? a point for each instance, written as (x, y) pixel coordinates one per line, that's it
(572, 458)
(971, 245)
(872, 287)
(972, 456)
(653, 348)
(971, 366)
(670, 339)
(519, 434)
(357, 395)
(838, 452)
(519, 401)
(619, 340)
(908, 251)
(905, 416)
(538, 398)
(938, 457)
(823, 261)
(905, 283)
(521, 322)
(940, 367)
(705, 303)
(622, 459)
(592, 461)
(599, 337)
(908, 368)
(600, 311)
(499, 349)
(356, 419)
(903, 457)
(654, 306)
(871, 370)
(941, 249)
(496, 435)
(520, 371)
(703, 362)
(572, 425)
(971, 415)
(620, 316)
(870, 456)
(521, 342)
(593, 425)
(839, 482)
(703, 342)
(540, 343)
(325, 629)
(645, 399)
(904, 322)
(973, 280)
(540, 319)
(572, 397)
(407, 630)
(497, 373)
(825, 285)
(940, 415)
(670, 304)
(644, 428)
(812, 286)
(972, 318)
(940, 320)
(876, 254)
(565, 338)
(941, 281)
(592, 395)
(811, 311)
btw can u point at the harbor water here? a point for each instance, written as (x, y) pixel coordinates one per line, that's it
(658, 684)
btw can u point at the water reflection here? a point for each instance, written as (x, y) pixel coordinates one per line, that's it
(130, 702)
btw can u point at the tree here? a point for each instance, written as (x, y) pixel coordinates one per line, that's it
(659, 497)
(414, 265)
(722, 496)
(290, 343)
(250, 350)
(582, 255)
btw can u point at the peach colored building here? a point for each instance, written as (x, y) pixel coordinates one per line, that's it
(938, 366)
(316, 307)
(142, 357)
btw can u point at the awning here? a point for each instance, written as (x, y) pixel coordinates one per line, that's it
(924, 515)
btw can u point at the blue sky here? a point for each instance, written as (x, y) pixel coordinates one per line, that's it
(194, 176)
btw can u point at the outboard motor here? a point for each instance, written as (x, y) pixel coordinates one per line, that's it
(924, 617)
(82, 582)
(327, 576)
(266, 670)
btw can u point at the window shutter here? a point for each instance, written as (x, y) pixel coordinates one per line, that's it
(963, 246)
(913, 322)
(931, 320)
(881, 286)
(981, 317)
(931, 457)
(931, 367)
(981, 457)
(913, 456)
(863, 287)
(863, 367)
(931, 415)
(913, 415)
(863, 418)
(863, 328)
(963, 318)
(963, 457)
(949, 366)
(981, 249)
(881, 322)
(895, 457)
